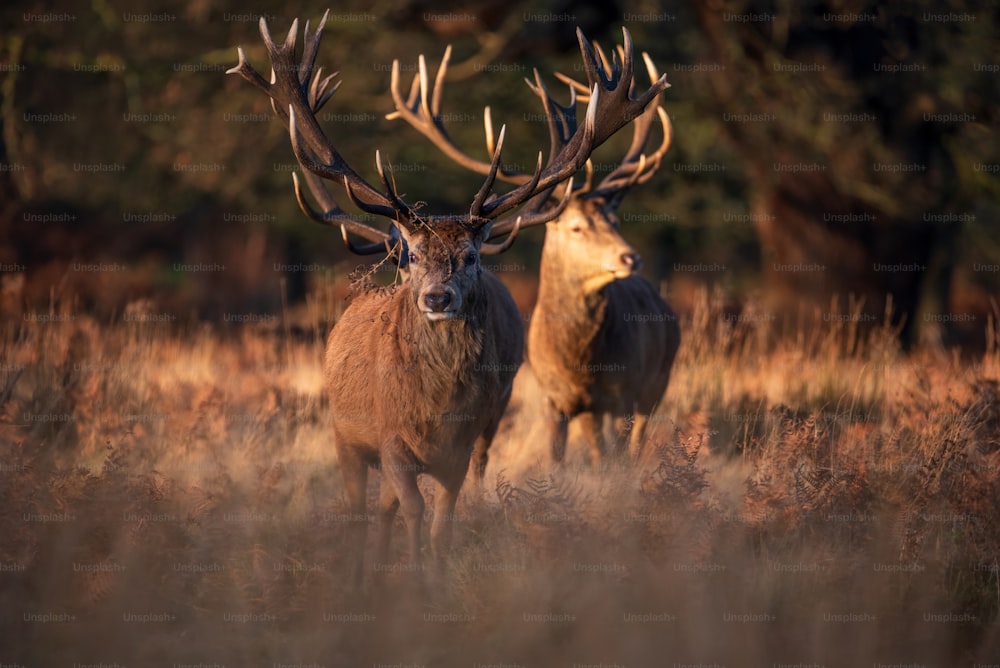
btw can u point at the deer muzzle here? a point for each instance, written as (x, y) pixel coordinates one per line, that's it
(440, 302)
(629, 263)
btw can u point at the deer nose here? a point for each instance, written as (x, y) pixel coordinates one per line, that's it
(632, 260)
(437, 301)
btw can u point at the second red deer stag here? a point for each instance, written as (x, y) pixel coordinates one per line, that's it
(601, 342)
(416, 373)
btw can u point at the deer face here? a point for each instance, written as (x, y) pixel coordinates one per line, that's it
(586, 243)
(443, 267)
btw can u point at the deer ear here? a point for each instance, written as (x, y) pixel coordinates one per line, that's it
(404, 234)
(403, 257)
(483, 233)
(615, 199)
(403, 254)
(606, 201)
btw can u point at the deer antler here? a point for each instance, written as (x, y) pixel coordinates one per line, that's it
(636, 167)
(610, 105)
(303, 91)
(297, 93)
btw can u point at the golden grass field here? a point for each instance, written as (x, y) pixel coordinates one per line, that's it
(171, 498)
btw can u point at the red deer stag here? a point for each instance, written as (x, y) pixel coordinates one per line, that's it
(416, 373)
(602, 341)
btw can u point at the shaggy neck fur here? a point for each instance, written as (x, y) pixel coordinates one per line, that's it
(445, 353)
(571, 317)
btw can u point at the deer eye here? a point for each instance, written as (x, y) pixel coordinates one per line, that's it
(470, 257)
(576, 229)
(413, 257)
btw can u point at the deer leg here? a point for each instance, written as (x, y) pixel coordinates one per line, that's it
(615, 432)
(400, 470)
(559, 434)
(388, 505)
(480, 454)
(555, 426)
(355, 473)
(592, 430)
(635, 439)
(444, 520)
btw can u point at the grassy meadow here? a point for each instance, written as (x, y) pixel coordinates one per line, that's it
(812, 497)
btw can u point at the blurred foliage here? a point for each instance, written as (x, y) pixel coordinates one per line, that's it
(110, 113)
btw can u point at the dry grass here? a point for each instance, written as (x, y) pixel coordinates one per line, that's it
(171, 497)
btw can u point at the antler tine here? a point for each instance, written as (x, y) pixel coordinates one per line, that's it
(425, 106)
(439, 80)
(496, 206)
(404, 213)
(279, 57)
(388, 247)
(290, 38)
(488, 130)
(332, 215)
(310, 49)
(562, 125)
(589, 179)
(656, 157)
(488, 248)
(611, 66)
(247, 71)
(575, 86)
(363, 249)
(591, 66)
(627, 58)
(320, 90)
(475, 211)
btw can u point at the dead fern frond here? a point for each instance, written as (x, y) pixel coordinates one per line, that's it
(676, 476)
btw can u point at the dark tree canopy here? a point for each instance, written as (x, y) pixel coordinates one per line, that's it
(850, 136)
